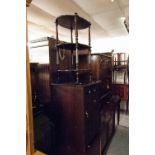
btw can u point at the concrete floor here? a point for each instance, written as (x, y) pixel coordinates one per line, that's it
(120, 142)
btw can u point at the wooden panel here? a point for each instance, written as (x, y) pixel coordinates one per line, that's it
(101, 67)
(78, 113)
(40, 80)
(70, 110)
(94, 149)
(122, 90)
(44, 83)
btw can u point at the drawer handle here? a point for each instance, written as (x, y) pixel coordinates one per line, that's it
(87, 115)
(89, 92)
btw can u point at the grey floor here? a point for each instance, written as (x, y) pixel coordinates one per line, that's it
(120, 142)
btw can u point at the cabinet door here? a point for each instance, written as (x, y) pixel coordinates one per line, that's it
(121, 91)
(94, 147)
(126, 92)
(92, 119)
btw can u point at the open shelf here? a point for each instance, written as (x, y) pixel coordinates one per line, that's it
(120, 67)
(73, 22)
(68, 21)
(73, 70)
(72, 46)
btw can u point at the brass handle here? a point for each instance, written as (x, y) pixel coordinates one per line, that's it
(89, 92)
(87, 115)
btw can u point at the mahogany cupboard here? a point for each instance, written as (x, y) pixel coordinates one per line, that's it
(78, 115)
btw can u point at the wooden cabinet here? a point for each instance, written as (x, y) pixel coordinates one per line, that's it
(78, 118)
(101, 68)
(120, 80)
(123, 91)
(107, 113)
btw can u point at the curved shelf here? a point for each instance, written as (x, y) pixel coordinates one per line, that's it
(72, 46)
(73, 70)
(67, 21)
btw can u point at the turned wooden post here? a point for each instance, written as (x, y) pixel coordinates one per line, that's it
(76, 47)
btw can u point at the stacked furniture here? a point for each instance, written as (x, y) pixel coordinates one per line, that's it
(80, 104)
(74, 94)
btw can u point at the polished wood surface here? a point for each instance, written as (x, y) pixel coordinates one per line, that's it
(101, 67)
(44, 83)
(68, 21)
(40, 80)
(77, 110)
(123, 91)
(107, 113)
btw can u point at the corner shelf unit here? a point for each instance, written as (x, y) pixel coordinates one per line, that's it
(74, 23)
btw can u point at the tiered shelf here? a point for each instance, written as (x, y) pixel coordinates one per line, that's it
(73, 22)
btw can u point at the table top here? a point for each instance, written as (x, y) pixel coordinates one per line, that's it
(68, 21)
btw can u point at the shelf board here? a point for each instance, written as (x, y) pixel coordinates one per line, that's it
(72, 46)
(67, 21)
(73, 70)
(120, 67)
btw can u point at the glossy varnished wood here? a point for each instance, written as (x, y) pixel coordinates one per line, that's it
(78, 116)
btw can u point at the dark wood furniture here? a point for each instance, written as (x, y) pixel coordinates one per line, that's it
(78, 120)
(73, 49)
(120, 74)
(101, 67)
(123, 91)
(81, 106)
(79, 100)
(40, 80)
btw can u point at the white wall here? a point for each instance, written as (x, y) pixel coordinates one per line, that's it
(119, 44)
